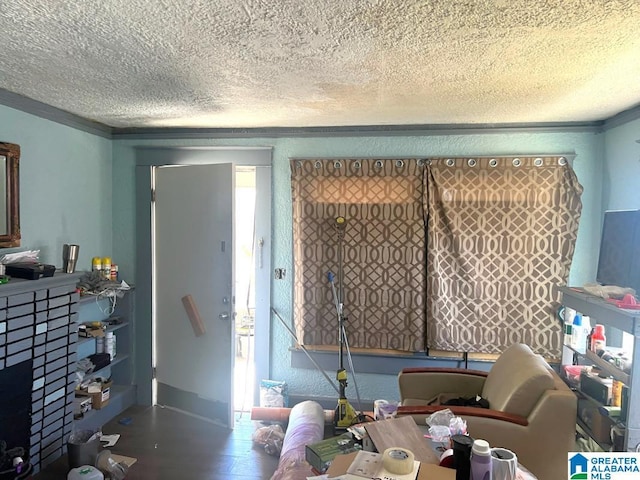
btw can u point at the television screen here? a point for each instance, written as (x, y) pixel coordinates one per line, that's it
(619, 260)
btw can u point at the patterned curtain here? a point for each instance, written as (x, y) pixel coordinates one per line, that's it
(381, 243)
(501, 235)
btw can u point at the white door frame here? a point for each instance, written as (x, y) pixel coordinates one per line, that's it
(146, 157)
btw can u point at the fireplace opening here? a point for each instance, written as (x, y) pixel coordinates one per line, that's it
(16, 383)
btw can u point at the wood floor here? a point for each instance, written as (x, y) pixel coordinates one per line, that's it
(170, 445)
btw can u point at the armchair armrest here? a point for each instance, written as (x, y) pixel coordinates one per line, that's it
(479, 373)
(423, 411)
(419, 385)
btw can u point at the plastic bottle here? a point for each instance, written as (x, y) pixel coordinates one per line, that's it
(480, 460)
(598, 339)
(586, 332)
(616, 393)
(86, 472)
(461, 455)
(100, 348)
(110, 345)
(578, 339)
(569, 315)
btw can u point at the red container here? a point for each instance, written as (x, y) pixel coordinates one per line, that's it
(598, 339)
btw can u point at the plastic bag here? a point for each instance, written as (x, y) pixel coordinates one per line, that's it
(457, 426)
(607, 291)
(270, 438)
(441, 417)
(446, 419)
(439, 433)
(273, 393)
(111, 469)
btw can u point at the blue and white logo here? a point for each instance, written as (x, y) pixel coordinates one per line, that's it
(604, 466)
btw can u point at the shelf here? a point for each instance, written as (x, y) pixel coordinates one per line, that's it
(604, 446)
(119, 358)
(86, 299)
(583, 396)
(121, 397)
(123, 392)
(598, 308)
(110, 328)
(606, 367)
(625, 320)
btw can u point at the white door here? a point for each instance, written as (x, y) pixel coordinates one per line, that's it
(193, 258)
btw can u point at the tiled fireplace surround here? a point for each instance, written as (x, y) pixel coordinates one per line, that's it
(38, 321)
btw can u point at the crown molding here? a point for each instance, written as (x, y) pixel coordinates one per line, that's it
(622, 118)
(34, 107)
(354, 131)
(42, 110)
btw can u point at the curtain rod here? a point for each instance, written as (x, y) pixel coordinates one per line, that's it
(569, 156)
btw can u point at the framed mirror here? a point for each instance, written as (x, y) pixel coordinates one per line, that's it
(9, 195)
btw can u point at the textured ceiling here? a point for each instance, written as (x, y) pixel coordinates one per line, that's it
(293, 63)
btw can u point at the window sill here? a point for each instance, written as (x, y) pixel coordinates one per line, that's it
(386, 362)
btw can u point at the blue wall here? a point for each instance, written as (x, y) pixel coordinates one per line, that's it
(621, 182)
(80, 188)
(588, 165)
(65, 187)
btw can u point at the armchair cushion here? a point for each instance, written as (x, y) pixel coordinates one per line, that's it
(419, 386)
(517, 380)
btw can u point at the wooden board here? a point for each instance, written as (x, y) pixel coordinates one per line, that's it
(404, 433)
(194, 315)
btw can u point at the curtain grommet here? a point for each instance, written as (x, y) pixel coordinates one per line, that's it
(399, 163)
(450, 162)
(357, 165)
(538, 162)
(493, 162)
(298, 164)
(516, 162)
(420, 162)
(318, 164)
(337, 165)
(562, 161)
(378, 164)
(472, 162)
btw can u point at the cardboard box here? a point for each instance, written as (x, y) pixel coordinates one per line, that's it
(427, 471)
(320, 454)
(99, 399)
(88, 331)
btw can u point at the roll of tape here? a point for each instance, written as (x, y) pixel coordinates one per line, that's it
(397, 461)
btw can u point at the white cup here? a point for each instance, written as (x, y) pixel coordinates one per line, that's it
(504, 464)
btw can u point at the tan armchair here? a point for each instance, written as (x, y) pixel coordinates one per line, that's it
(532, 411)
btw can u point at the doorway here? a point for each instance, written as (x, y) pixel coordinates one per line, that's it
(254, 312)
(247, 249)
